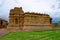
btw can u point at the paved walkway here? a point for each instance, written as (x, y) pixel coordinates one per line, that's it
(3, 32)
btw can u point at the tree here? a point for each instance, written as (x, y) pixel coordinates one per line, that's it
(6, 22)
(59, 21)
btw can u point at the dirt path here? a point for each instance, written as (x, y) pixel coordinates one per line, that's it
(3, 32)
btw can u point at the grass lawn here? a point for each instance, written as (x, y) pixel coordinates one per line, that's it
(40, 35)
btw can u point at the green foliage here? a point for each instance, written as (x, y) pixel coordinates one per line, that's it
(59, 21)
(55, 24)
(42, 35)
(6, 22)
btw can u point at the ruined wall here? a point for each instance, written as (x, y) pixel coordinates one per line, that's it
(35, 21)
(3, 23)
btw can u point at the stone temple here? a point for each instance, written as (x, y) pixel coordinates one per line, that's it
(28, 21)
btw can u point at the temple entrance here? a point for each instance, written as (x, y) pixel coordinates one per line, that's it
(16, 21)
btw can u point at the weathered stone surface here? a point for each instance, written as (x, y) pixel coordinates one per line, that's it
(3, 23)
(18, 19)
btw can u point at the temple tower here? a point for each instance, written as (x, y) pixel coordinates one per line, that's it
(16, 18)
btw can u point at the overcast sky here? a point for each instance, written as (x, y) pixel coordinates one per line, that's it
(51, 7)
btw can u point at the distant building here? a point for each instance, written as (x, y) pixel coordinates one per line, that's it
(28, 20)
(3, 23)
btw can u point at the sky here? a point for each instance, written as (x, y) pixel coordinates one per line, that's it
(51, 7)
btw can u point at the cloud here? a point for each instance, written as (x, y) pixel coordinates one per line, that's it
(57, 0)
(30, 5)
(1, 3)
(58, 5)
(51, 7)
(37, 5)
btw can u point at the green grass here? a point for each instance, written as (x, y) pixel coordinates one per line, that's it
(42, 35)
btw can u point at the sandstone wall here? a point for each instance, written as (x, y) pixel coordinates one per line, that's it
(37, 27)
(36, 19)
